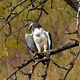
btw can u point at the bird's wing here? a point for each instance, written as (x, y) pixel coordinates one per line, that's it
(30, 43)
(49, 39)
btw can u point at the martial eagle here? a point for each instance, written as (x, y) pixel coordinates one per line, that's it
(39, 40)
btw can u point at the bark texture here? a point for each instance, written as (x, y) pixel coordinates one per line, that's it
(73, 4)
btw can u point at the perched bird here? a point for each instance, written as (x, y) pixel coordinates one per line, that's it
(41, 38)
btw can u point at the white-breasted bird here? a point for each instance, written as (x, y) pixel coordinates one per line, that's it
(39, 40)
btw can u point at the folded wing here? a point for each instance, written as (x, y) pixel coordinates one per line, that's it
(49, 39)
(30, 43)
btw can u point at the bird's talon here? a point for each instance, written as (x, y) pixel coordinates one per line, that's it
(37, 56)
(45, 53)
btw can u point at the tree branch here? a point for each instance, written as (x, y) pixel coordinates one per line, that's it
(64, 47)
(51, 52)
(73, 4)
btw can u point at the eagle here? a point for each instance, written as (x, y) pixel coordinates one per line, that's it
(39, 40)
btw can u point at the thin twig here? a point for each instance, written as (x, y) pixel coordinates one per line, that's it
(10, 31)
(71, 66)
(59, 66)
(52, 4)
(45, 72)
(19, 68)
(70, 13)
(7, 21)
(35, 64)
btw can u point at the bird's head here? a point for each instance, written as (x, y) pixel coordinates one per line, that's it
(33, 25)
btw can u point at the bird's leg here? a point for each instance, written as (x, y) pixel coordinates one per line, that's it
(45, 48)
(39, 49)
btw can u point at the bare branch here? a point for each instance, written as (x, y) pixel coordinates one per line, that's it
(41, 9)
(15, 7)
(2, 17)
(35, 64)
(71, 32)
(71, 65)
(7, 21)
(59, 66)
(19, 68)
(10, 31)
(73, 4)
(64, 47)
(15, 77)
(69, 13)
(45, 72)
(51, 3)
(52, 52)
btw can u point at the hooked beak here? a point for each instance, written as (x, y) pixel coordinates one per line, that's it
(29, 28)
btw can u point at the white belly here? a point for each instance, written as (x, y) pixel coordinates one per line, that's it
(40, 38)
